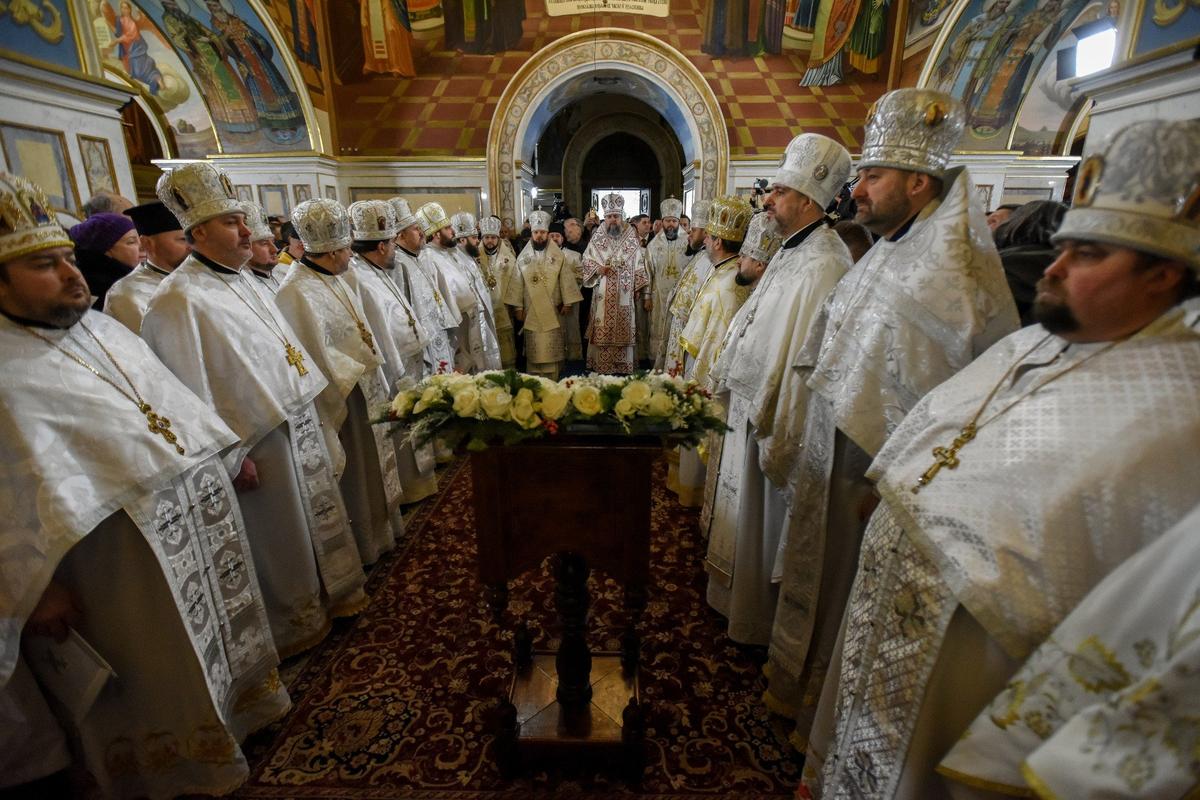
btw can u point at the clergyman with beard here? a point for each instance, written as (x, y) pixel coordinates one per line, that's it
(614, 266)
(541, 294)
(665, 260)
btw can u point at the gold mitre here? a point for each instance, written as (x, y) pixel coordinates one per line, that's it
(322, 225)
(728, 218)
(432, 218)
(27, 223)
(197, 192)
(762, 238)
(814, 165)
(405, 218)
(464, 225)
(700, 210)
(913, 129)
(670, 208)
(489, 226)
(372, 220)
(256, 221)
(1141, 191)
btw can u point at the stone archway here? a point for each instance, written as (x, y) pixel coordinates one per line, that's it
(582, 143)
(690, 105)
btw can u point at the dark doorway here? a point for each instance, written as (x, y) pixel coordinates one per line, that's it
(623, 160)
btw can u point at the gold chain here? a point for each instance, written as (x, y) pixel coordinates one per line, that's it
(391, 286)
(363, 331)
(948, 456)
(293, 354)
(155, 423)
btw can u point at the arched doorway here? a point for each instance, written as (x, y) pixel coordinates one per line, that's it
(610, 60)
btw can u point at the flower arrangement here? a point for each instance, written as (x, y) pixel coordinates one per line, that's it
(511, 406)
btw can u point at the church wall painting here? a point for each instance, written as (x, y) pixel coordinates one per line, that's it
(133, 46)
(242, 79)
(925, 17)
(1165, 24)
(993, 52)
(42, 31)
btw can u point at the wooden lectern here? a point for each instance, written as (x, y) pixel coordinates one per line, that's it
(586, 500)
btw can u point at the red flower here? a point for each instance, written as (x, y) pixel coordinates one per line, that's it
(442, 366)
(551, 426)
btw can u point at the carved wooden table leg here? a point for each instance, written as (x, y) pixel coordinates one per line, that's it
(574, 660)
(508, 755)
(522, 647)
(631, 640)
(633, 741)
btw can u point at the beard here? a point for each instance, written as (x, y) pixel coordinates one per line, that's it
(671, 233)
(491, 251)
(1052, 312)
(742, 280)
(472, 250)
(65, 315)
(884, 215)
(539, 246)
(614, 230)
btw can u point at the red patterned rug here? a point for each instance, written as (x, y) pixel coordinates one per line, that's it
(394, 704)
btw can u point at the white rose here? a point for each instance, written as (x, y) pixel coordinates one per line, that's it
(522, 410)
(554, 401)
(403, 404)
(660, 405)
(466, 401)
(495, 401)
(637, 393)
(624, 408)
(587, 400)
(430, 396)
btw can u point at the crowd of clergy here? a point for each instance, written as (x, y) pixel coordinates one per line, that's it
(971, 549)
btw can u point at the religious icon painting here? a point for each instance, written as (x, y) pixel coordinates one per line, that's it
(331, 193)
(40, 155)
(302, 192)
(97, 164)
(274, 200)
(244, 192)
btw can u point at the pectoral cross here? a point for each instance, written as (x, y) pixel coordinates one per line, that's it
(367, 338)
(295, 358)
(945, 456)
(160, 425)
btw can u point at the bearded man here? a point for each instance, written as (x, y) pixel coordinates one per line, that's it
(614, 267)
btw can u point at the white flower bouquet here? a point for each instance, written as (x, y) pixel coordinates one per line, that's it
(510, 406)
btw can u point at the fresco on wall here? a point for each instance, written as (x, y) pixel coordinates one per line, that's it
(375, 38)
(1165, 23)
(131, 45)
(734, 28)
(241, 78)
(840, 35)
(993, 53)
(1044, 119)
(924, 19)
(41, 31)
(297, 22)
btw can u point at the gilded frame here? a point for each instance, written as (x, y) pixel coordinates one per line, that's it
(68, 201)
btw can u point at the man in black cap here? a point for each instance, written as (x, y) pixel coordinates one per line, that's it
(165, 246)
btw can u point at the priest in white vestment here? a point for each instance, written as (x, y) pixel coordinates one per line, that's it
(263, 264)
(765, 395)
(1102, 708)
(399, 335)
(328, 317)
(477, 347)
(499, 264)
(165, 245)
(121, 530)
(484, 344)
(695, 273)
(221, 334)
(1015, 487)
(426, 289)
(541, 294)
(717, 300)
(665, 260)
(614, 267)
(919, 306)
(573, 334)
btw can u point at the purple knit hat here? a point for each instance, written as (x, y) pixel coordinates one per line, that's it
(100, 232)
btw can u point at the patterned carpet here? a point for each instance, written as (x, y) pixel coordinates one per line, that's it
(395, 703)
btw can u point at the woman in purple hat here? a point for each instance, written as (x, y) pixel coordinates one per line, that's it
(106, 249)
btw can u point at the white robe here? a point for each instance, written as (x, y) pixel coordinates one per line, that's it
(1105, 707)
(680, 305)
(126, 300)
(220, 332)
(402, 343)
(498, 271)
(543, 282)
(665, 261)
(910, 314)
(768, 402)
(478, 348)
(152, 543)
(314, 303)
(430, 297)
(1085, 455)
